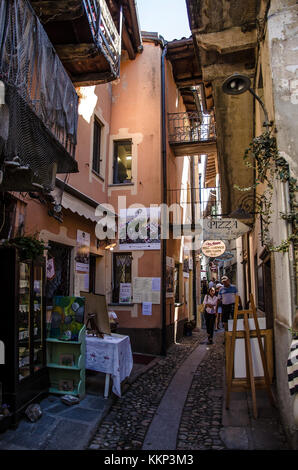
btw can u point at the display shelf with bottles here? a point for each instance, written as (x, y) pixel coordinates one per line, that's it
(24, 320)
(24, 375)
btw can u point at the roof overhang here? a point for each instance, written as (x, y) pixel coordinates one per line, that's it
(187, 74)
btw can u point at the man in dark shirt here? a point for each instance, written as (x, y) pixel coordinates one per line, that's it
(227, 295)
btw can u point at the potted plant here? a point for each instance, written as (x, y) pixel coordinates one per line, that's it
(29, 246)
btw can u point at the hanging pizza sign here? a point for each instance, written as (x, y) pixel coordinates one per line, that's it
(213, 248)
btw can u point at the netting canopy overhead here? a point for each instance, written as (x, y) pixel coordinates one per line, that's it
(38, 122)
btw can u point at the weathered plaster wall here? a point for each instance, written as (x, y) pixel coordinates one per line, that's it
(275, 83)
(283, 43)
(283, 47)
(136, 114)
(94, 101)
(234, 126)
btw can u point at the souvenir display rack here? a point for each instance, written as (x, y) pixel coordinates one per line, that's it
(66, 346)
(66, 363)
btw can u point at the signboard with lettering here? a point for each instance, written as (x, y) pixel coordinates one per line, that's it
(223, 229)
(213, 248)
(214, 229)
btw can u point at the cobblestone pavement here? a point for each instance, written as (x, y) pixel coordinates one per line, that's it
(202, 425)
(201, 421)
(125, 426)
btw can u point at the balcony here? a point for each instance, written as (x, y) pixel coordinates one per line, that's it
(188, 135)
(38, 106)
(85, 38)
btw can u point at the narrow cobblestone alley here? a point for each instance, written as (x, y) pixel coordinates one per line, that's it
(201, 422)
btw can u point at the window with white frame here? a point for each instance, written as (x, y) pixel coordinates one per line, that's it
(122, 168)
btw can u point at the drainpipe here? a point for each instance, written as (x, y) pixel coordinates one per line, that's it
(193, 200)
(164, 197)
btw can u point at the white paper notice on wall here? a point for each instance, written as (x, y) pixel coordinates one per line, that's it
(145, 290)
(86, 282)
(125, 293)
(156, 284)
(147, 308)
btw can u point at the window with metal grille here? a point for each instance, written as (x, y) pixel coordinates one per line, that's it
(97, 128)
(122, 161)
(121, 272)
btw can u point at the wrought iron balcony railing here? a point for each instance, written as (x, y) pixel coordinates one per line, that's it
(188, 128)
(104, 32)
(38, 116)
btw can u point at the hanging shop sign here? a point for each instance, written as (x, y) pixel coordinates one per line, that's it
(223, 229)
(213, 248)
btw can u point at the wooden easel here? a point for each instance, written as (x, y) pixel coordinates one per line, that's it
(91, 326)
(248, 355)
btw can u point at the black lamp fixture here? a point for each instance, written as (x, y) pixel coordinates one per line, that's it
(237, 84)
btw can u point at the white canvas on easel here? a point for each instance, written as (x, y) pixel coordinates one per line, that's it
(250, 377)
(239, 360)
(239, 357)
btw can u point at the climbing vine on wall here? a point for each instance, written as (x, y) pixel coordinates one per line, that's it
(270, 165)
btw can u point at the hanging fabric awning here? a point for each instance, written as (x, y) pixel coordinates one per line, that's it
(82, 208)
(78, 207)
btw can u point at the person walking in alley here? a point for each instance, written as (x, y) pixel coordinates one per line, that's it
(204, 289)
(227, 295)
(210, 302)
(218, 320)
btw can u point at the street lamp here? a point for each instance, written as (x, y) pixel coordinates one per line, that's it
(237, 84)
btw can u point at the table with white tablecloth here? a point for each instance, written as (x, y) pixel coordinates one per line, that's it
(111, 355)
